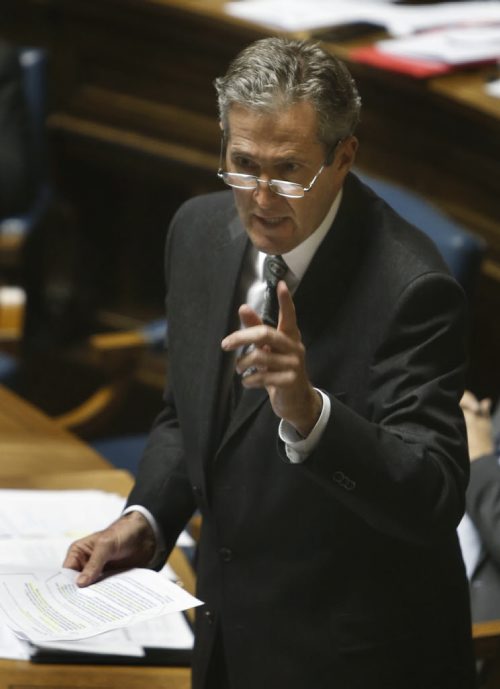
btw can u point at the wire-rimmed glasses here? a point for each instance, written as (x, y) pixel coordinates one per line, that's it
(282, 187)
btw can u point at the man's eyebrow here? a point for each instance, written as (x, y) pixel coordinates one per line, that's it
(241, 152)
(281, 160)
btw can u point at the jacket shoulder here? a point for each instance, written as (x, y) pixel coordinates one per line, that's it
(207, 209)
(390, 235)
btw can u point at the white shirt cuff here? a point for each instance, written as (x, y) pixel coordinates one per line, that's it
(297, 448)
(153, 524)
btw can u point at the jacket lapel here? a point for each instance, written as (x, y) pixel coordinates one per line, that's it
(224, 279)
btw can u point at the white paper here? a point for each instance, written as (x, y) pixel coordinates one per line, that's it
(470, 545)
(36, 529)
(399, 20)
(62, 513)
(185, 540)
(33, 553)
(451, 46)
(48, 553)
(492, 88)
(167, 631)
(11, 647)
(295, 15)
(38, 526)
(116, 642)
(49, 606)
(406, 19)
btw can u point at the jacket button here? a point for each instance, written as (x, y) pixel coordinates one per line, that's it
(197, 491)
(209, 616)
(339, 477)
(344, 481)
(226, 554)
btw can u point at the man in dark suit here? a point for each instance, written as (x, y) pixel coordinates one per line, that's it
(16, 175)
(331, 477)
(480, 528)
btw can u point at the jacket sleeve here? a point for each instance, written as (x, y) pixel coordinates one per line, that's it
(402, 464)
(162, 484)
(483, 502)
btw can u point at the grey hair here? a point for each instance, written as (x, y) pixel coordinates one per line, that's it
(274, 73)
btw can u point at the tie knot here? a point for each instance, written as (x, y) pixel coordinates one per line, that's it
(275, 269)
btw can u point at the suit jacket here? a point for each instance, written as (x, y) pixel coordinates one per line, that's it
(343, 571)
(483, 507)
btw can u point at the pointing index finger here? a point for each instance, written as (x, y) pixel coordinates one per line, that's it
(287, 322)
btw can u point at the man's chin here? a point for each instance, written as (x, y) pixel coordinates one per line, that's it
(271, 237)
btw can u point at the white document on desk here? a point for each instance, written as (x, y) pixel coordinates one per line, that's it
(62, 513)
(492, 88)
(166, 632)
(11, 647)
(37, 526)
(399, 20)
(36, 529)
(455, 46)
(295, 15)
(115, 643)
(49, 606)
(170, 631)
(403, 20)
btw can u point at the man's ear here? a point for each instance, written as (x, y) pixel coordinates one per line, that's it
(346, 155)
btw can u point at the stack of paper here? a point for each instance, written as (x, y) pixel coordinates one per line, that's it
(117, 616)
(46, 617)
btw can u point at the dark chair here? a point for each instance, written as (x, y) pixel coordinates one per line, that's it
(14, 230)
(462, 250)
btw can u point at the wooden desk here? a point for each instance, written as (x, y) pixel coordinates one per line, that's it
(32, 444)
(22, 674)
(133, 116)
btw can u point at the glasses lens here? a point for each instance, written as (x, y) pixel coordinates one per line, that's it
(290, 189)
(234, 179)
(277, 186)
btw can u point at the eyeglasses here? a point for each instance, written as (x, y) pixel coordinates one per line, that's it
(291, 190)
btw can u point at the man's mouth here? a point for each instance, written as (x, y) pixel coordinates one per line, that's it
(270, 222)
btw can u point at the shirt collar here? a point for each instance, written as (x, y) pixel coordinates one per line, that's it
(298, 259)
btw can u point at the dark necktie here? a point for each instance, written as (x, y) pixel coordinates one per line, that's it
(275, 270)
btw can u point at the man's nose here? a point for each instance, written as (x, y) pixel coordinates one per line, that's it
(263, 193)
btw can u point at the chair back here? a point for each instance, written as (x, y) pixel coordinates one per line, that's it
(462, 250)
(33, 63)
